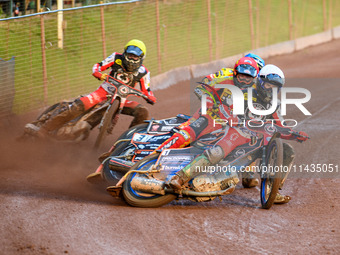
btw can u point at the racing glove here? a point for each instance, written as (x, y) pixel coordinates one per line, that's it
(303, 137)
(151, 99)
(103, 77)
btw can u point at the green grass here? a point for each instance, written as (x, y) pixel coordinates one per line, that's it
(183, 39)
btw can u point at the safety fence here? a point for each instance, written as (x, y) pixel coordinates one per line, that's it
(54, 51)
(15, 8)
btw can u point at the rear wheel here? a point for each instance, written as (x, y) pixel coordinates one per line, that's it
(107, 120)
(271, 176)
(40, 120)
(139, 199)
(48, 110)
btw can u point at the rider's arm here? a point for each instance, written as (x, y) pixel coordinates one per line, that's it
(224, 76)
(145, 88)
(102, 66)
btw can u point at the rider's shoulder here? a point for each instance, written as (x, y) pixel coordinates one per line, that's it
(143, 70)
(114, 58)
(115, 55)
(227, 71)
(224, 72)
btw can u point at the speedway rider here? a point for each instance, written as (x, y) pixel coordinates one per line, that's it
(128, 68)
(244, 75)
(248, 178)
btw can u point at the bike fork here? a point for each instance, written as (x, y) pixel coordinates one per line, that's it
(263, 160)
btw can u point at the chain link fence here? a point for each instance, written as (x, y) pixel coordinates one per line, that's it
(54, 51)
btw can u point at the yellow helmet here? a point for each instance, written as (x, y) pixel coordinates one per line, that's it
(134, 53)
(139, 44)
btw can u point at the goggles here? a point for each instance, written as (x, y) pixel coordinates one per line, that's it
(273, 79)
(132, 57)
(247, 69)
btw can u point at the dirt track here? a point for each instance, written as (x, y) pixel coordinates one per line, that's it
(47, 207)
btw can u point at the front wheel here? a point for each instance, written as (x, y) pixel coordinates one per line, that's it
(107, 120)
(140, 199)
(271, 173)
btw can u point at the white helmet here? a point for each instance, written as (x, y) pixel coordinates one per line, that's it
(269, 74)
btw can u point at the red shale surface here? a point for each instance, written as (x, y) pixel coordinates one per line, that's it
(47, 206)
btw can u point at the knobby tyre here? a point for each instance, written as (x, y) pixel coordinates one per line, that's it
(107, 120)
(49, 109)
(139, 199)
(271, 182)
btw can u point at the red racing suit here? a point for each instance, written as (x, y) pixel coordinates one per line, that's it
(199, 125)
(142, 76)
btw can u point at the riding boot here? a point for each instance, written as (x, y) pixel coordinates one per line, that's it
(188, 172)
(63, 116)
(248, 178)
(281, 199)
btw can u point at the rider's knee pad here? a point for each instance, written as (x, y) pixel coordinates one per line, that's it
(214, 154)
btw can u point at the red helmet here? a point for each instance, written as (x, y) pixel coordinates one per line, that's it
(246, 66)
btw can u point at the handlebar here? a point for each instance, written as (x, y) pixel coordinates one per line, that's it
(298, 134)
(211, 92)
(124, 90)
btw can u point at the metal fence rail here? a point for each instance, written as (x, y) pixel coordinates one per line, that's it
(55, 51)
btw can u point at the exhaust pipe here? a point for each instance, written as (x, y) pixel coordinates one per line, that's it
(146, 185)
(154, 186)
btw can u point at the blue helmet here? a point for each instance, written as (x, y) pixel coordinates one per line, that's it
(258, 59)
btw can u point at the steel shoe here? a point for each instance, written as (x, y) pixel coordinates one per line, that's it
(281, 199)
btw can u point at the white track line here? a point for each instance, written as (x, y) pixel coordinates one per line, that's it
(316, 113)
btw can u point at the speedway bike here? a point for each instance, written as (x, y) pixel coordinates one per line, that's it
(145, 184)
(103, 115)
(133, 145)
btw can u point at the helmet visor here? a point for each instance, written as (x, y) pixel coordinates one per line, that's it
(273, 79)
(134, 50)
(247, 69)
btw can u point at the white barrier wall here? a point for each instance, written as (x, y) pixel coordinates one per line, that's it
(176, 75)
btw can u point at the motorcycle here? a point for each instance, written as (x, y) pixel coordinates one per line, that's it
(104, 115)
(145, 185)
(137, 143)
(132, 146)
